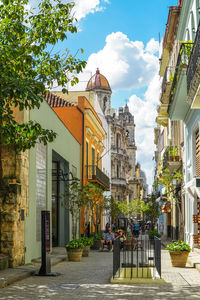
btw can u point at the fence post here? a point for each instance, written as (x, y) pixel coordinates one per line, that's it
(157, 255)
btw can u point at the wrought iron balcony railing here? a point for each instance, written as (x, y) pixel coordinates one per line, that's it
(93, 173)
(194, 59)
(182, 61)
(171, 154)
(167, 78)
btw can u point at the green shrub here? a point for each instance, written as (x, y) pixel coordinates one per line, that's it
(178, 246)
(87, 241)
(153, 233)
(98, 236)
(75, 243)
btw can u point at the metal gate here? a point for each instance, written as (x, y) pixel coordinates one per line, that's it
(137, 258)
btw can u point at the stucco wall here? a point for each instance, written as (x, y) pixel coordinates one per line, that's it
(69, 149)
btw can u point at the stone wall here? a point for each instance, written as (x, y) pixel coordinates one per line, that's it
(13, 204)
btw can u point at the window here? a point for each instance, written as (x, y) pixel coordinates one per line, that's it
(87, 158)
(93, 161)
(97, 159)
(104, 103)
(117, 171)
(197, 153)
(118, 141)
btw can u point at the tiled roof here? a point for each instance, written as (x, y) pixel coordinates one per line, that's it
(56, 101)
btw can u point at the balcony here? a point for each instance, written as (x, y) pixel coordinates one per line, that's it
(178, 106)
(166, 84)
(119, 181)
(172, 158)
(94, 174)
(193, 73)
(162, 117)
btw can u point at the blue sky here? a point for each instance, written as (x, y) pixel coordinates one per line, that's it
(122, 39)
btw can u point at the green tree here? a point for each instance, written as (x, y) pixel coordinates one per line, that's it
(134, 207)
(167, 179)
(95, 203)
(72, 201)
(29, 67)
(153, 209)
(113, 209)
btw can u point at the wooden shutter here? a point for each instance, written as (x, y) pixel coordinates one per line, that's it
(197, 154)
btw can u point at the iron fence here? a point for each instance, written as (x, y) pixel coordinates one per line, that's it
(182, 60)
(137, 258)
(94, 173)
(194, 59)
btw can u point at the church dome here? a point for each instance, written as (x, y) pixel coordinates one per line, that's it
(98, 81)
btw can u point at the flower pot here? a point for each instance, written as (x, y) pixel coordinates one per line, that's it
(86, 250)
(74, 254)
(178, 258)
(96, 245)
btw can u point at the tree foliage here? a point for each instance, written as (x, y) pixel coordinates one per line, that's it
(72, 201)
(167, 180)
(29, 67)
(153, 211)
(95, 202)
(134, 207)
(113, 208)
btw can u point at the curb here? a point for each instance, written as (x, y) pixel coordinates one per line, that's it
(193, 264)
(26, 274)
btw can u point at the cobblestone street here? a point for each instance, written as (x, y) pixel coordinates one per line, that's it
(89, 279)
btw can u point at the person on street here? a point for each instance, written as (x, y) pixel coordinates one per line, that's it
(109, 238)
(122, 238)
(136, 229)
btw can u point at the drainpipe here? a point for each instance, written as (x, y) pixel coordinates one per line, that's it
(83, 143)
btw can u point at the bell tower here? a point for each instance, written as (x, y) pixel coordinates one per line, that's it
(100, 85)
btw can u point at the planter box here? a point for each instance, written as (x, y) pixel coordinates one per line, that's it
(74, 254)
(86, 250)
(96, 245)
(179, 258)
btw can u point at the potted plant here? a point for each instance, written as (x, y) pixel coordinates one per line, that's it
(179, 252)
(87, 242)
(97, 241)
(173, 153)
(153, 233)
(75, 249)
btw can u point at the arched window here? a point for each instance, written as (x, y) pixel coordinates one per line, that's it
(117, 171)
(118, 141)
(104, 103)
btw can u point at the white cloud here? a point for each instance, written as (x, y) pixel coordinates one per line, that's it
(144, 111)
(84, 7)
(126, 64)
(129, 64)
(152, 46)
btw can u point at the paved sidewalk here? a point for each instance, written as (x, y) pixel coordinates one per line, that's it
(90, 279)
(10, 276)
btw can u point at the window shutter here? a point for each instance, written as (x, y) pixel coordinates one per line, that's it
(197, 154)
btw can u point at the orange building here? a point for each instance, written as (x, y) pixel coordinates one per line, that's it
(85, 125)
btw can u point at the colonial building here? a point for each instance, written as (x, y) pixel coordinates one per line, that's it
(118, 160)
(34, 181)
(179, 115)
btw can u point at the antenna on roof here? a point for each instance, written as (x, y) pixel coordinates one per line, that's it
(159, 37)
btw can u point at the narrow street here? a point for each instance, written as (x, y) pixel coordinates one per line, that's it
(90, 279)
